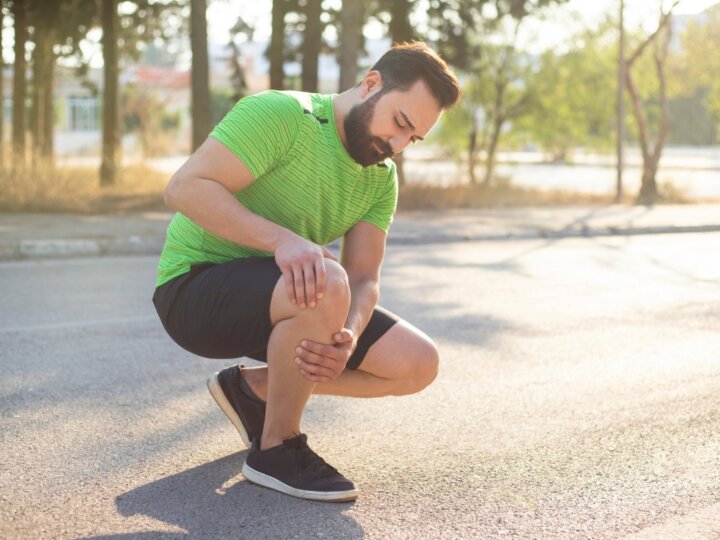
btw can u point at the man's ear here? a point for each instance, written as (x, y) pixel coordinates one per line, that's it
(371, 83)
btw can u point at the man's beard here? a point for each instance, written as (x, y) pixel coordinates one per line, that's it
(361, 145)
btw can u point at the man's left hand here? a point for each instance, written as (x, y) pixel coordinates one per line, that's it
(320, 362)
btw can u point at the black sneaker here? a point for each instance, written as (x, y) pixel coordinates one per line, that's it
(239, 403)
(294, 469)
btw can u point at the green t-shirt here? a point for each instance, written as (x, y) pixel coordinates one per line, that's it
(304, 180)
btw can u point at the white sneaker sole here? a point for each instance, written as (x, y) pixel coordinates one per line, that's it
(219, 397)
(264, 480)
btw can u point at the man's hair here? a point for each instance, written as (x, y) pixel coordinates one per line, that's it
(406, 63)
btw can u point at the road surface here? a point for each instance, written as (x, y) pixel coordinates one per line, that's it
(578, 398)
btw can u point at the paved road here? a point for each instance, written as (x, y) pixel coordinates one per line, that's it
(578, 398)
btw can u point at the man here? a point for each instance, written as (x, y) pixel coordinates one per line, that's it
(244, 271)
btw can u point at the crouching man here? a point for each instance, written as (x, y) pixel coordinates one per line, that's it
(244, 270)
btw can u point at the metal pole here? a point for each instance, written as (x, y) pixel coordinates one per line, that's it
(620, 105)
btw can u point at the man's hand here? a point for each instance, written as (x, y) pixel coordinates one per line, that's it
(303, 265)
(319, 362)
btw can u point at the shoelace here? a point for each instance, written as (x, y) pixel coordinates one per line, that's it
(309, 459)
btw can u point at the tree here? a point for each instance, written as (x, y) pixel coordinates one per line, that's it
(651, 157)
(276, 50)
(238, 80)
(19, 81)
(45, 20)
(312, 42)
(567, 93)
(695, 70)
(399, 24)
(480, 39)
(509, 95)
(2, 89)
(111, 102)
(458, 26)
(56, 27)
(352, 18)
(148, 20)
(200, 73)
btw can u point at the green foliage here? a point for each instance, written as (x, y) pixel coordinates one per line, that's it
(696, 69)
(459, 28)
(150, 21)
(453, 130)
(221, 102)
(690, 120)
(68, 21)
(498, 89)
(575, 94)
(144, 113)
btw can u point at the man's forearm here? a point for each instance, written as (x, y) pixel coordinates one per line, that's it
(215, 209)
(364, 296)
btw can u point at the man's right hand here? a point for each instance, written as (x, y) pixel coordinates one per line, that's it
(302, 264)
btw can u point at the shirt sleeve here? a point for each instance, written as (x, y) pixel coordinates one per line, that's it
(382, 211)
(260, 129)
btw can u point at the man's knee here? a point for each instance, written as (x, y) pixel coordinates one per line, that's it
(337, 287)
(422, 367)
(334, 304)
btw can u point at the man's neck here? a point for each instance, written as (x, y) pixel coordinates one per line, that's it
(342, 103)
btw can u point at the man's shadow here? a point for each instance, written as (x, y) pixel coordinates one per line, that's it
(215, 501)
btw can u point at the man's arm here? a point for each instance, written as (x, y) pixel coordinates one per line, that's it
(203, 190)
(363, 252)
(362, 256)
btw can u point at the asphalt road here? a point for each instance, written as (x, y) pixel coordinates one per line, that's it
(578, 398)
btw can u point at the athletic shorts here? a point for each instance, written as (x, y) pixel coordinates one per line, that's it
(223, 310)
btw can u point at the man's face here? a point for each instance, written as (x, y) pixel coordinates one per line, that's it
(387, 121)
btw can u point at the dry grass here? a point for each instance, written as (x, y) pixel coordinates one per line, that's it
(48, 189)
(43, 188)
(479, 196)
(505, 194)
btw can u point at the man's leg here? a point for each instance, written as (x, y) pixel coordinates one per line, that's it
(282, 459)
(287, 390)
(403, 361)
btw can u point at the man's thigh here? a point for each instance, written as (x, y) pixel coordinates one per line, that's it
(401, 352)
(223, 310)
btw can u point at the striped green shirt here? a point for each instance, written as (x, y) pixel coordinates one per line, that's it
(304, 180)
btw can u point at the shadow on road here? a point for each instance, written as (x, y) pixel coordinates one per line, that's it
(214, 500)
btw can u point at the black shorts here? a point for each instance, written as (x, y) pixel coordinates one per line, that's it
(223, 310)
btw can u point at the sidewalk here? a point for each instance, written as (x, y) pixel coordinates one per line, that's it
(25, 236)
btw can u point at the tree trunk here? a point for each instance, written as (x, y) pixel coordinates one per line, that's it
(472, 150)
(352, 17)
(498, 119)
(400, 28)
(47, 148)
(2, 95)
(42, 104)
(276, 52)
(19, 83)
(648, 189)
(620, 110)
(492, 151)
(201, 103)
(312, 41)
(36, 62)
(111, 102)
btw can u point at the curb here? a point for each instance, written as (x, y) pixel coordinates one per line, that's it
(135, 245)
(55, 249)
(585, 232)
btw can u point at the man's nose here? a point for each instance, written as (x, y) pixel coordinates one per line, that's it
(398, 143)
